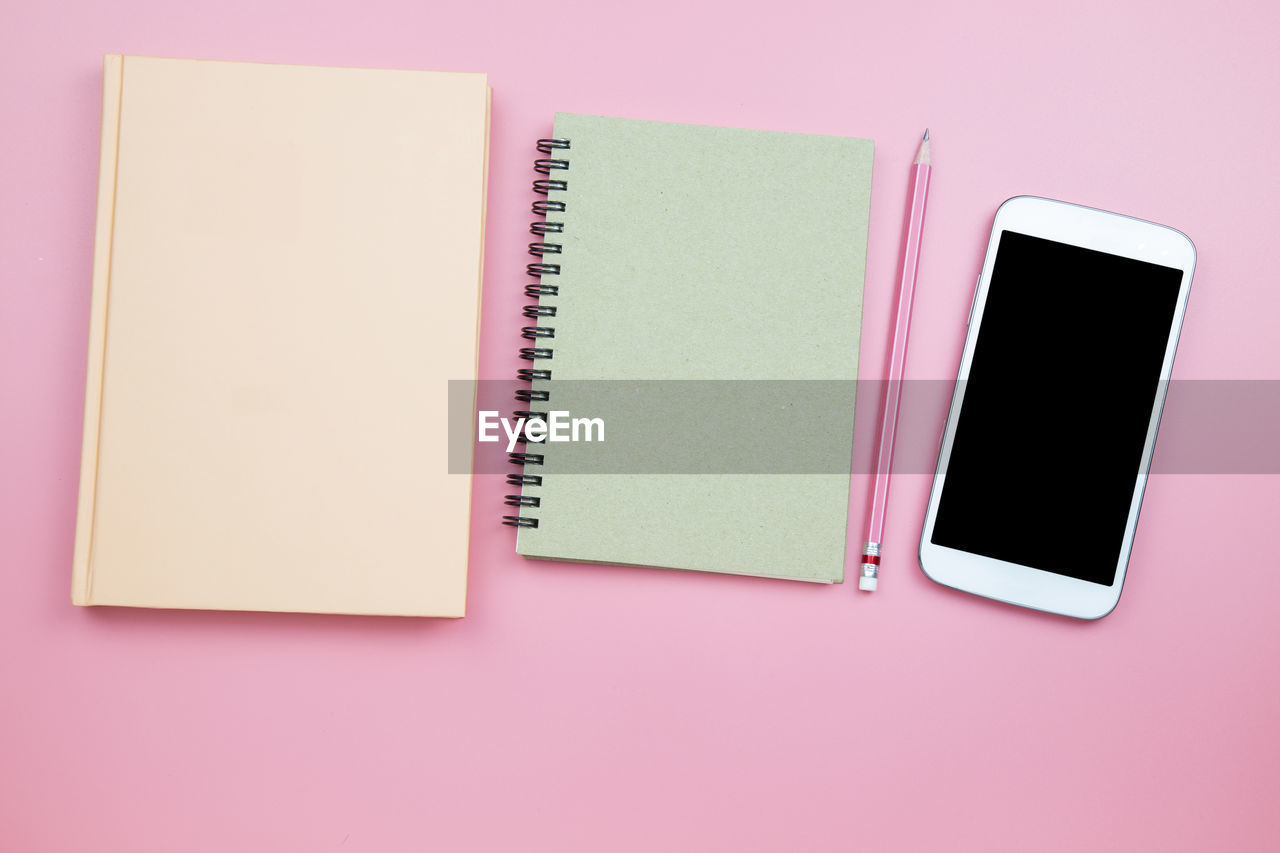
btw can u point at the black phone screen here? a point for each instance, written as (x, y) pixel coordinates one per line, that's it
(1049, 439)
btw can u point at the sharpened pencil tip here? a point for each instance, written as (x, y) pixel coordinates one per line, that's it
(922, 153)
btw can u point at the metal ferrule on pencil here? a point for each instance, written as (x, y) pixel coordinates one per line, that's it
(870, 571)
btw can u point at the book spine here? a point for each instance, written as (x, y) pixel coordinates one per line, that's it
(81, 567)
(540, 312)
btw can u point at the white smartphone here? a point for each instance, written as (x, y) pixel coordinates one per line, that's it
(1044, 459)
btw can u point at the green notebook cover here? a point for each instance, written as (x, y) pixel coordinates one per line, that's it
(708, 310)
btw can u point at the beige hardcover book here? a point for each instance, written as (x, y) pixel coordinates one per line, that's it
(286, 275)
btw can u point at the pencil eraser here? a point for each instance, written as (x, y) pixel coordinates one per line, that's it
(867, 584)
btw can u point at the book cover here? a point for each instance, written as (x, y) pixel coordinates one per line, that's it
(708, 308)
(286, 272)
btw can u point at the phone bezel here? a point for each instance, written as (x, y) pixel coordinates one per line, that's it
(1092, 229)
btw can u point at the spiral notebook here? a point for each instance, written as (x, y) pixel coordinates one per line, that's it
(699, 292)
(275, 248)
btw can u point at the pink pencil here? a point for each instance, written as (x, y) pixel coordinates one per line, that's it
(920, 171)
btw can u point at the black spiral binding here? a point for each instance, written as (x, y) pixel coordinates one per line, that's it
(546, 253)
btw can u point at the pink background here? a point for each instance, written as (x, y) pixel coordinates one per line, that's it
(622, 709)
